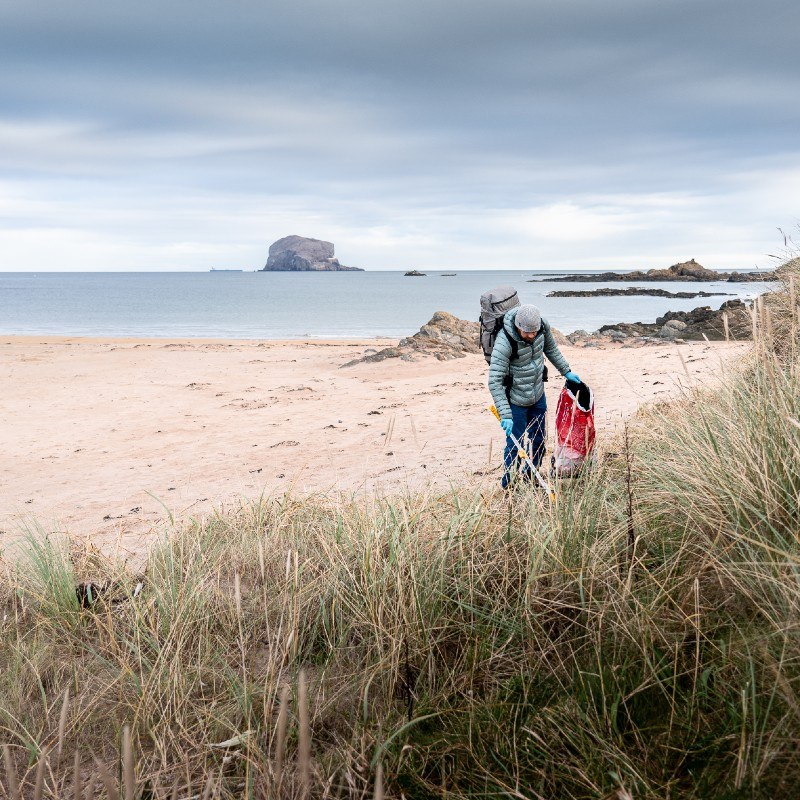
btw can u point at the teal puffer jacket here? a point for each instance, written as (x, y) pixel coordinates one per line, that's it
(526, 369)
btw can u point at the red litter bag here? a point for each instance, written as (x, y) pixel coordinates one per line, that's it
(575, 432)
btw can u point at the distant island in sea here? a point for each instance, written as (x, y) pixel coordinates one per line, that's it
(302, 254)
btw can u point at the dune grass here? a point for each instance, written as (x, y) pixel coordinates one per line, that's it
(638, 640)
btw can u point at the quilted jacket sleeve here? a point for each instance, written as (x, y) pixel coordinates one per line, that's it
(498, 369)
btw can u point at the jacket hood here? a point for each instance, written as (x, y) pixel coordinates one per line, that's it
(509, 323)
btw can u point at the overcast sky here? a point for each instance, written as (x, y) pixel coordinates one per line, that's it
(188, 134)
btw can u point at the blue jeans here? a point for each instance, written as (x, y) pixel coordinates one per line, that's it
(530, 420)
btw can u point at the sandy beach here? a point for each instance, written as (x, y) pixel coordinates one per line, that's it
(101, 438)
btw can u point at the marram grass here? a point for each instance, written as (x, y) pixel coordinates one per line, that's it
(639, 640)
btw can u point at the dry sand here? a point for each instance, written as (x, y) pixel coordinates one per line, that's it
(98, 437)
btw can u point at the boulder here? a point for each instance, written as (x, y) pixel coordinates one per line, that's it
(301, 254)
(414, 274)
(578, 336)
(444, 337)
(628, 328)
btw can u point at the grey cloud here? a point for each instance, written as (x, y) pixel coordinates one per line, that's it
(442, 45)
(381, 108)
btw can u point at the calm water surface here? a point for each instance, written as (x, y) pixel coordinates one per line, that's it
(282, 305)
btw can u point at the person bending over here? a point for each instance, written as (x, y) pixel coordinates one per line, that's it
(516, 374)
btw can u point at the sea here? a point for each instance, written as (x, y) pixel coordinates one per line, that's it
(312, 305)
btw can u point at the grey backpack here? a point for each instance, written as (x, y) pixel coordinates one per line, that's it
(494, 305)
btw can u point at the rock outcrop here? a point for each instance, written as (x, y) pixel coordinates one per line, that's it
(301, 254)
(444, 337)
(699, 323)
(632, 292)
(414, 274)
(685, 271)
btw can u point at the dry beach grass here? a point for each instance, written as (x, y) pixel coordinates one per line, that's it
(638, 639)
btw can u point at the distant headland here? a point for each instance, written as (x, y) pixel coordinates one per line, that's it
(301, 254)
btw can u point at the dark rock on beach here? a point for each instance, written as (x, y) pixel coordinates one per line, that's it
(631, 292)
(301, 254)
(685, 271)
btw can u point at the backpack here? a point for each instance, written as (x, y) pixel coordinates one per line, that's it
(494, 305)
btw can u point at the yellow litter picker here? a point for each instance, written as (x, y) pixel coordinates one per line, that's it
(522, 453)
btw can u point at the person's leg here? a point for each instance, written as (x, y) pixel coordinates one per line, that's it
(536, 430)
(519, 415)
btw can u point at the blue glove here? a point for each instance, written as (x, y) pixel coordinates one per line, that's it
(571, 376)
(507, 425)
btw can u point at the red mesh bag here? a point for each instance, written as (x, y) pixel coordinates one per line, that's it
(575, 433)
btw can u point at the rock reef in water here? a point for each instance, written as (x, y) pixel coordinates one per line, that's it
(632, 292)
(301, 254)
(685, 271)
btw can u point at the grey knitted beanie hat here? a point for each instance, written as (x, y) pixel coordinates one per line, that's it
(528, 319)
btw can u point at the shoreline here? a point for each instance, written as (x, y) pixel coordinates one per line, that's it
(32, 338)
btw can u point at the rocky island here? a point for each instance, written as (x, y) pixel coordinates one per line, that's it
(685, 271)
(301, 254)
